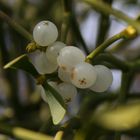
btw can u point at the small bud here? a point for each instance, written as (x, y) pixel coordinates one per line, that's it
(31, 47)
(130, 32)
(40, 79)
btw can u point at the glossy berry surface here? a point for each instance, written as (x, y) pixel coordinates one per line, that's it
(104, 79)
(67, 91)
(53, 50)
(69, 57)
(43, 65)
(83, 75)
(64, 75)
(45, 33)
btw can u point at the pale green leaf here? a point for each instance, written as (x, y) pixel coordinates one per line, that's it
(22, 62)
(56, 103)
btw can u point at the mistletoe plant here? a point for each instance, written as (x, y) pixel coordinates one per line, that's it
(62, 70)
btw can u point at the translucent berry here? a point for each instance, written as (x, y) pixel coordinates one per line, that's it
(43, 65)
(53, 50)
(70, 56)
(104, 79)
(64, 75)
(67, 91)
(45, 33)
(83, 75)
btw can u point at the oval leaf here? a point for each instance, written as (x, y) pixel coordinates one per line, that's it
(56, 103)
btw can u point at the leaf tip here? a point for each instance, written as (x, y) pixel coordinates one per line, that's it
(57, 119)
(13, 62)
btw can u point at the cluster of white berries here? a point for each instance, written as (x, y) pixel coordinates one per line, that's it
(70, 62)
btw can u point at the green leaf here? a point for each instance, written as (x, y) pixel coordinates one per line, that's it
(56, 103)
(22, 62)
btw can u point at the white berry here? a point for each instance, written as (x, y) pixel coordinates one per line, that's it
(83, 75)
(53, 50)
(64, 75)
(104, 79)
(70, 56)
(67, 91)
(43, 65)
(45, 33)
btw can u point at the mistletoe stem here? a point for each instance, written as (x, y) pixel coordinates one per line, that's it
(16, 26)
(103, 46)
(22, 133)
(107, 57)
(127, 33)
(107, 10)
(66, 19)
(127, 79)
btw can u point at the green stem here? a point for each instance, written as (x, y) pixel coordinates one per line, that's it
(112, 60)
(77, 32)
(126, 81)
(69, 17)
(120, 46)
(22, 133)
(135, 65)
(104, 45)
(15, 26)
(103, 25)
(107, 10)
(102, 29)
(65, 27)
(66, 5)
(66, 19)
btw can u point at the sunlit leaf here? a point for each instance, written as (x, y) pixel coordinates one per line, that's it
(56, 103)
(121, 117)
